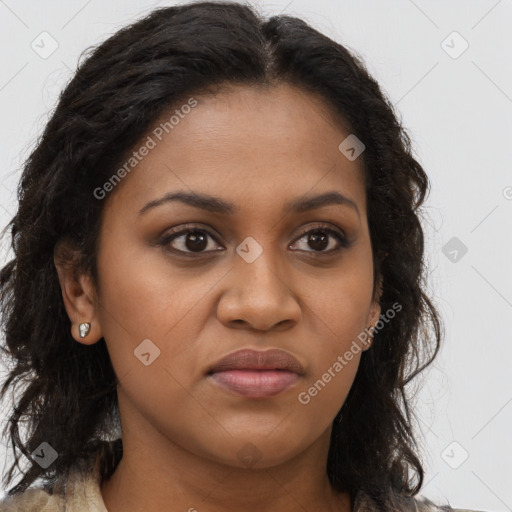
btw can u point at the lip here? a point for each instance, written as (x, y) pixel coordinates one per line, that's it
(256, 374)
(249, 359)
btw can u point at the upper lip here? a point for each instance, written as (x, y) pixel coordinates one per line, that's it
(248, 359)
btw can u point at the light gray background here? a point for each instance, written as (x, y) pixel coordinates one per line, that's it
(459, 114)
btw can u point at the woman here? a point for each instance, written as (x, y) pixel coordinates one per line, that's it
(217, 291)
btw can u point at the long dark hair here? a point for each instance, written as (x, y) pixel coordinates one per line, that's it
(69, 398)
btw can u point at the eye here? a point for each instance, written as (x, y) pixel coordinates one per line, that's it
(189, 240)
(192, 239)
(318, 240)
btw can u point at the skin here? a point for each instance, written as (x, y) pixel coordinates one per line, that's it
(181, 433)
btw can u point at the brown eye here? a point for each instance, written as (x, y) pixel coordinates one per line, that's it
(320, 239)
(196, 241)
(192, 240)
(189, 241)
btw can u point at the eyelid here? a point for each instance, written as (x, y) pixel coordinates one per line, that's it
(333, 231)
(186, 228)
(179, 231)
(321, 225)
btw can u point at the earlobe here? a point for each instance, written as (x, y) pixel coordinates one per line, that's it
(373, 319)
(79, 301)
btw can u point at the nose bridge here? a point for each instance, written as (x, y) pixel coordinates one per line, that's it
(258, 293)
(258, 267)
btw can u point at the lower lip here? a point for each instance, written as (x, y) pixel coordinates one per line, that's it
(256, 383)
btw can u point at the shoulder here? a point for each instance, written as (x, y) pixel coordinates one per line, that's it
(423, 504)
(32, 500)
(75, 491)
(391, 502)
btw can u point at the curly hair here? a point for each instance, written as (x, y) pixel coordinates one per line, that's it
(123, 86)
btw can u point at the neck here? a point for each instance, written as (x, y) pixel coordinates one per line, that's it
(158, 472)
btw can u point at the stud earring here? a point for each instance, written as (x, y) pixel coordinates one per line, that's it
(84, 329)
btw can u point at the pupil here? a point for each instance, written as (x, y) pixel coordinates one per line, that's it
(196, 241)
(318, 241)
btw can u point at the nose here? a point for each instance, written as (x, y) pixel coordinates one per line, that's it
(258, 297)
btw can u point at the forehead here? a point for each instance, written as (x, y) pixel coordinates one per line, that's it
(250, 145)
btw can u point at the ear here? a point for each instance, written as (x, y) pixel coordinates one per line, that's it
(78, 294)
(375, 309)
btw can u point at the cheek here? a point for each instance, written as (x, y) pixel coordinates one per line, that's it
(324, 393)
(335, 360)
(146, 296)
(153, 313)
(339, 307)
(160, 395)
(337, 334)
(338, 316)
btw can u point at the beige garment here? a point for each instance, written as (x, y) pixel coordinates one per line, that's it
(81, 493)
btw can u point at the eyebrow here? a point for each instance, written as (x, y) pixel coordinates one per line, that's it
(216, 205)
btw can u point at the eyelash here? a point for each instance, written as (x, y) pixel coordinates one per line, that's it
(168, 238)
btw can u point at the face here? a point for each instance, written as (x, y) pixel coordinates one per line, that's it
(181, 286)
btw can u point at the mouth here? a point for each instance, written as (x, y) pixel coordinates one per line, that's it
(255, 383)
(255, 374)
